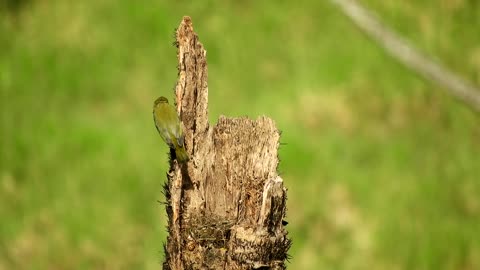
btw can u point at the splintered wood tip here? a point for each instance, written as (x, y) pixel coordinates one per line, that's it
(187, 20)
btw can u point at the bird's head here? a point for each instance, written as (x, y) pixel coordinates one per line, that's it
(160, 100)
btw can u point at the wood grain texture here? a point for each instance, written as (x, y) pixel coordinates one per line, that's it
(226, 205)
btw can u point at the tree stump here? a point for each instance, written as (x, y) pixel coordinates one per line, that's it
(226, 205)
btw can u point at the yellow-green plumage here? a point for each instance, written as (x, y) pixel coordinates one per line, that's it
(168, 126)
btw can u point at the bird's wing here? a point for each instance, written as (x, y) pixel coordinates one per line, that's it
(170, 128)
(162, 130)
(175, 130)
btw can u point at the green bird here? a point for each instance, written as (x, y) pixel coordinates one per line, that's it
(168, 126)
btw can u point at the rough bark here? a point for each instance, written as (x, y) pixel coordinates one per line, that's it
(226, 205)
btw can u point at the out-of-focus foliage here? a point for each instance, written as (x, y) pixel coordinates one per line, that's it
(11, 6)
(382, 167)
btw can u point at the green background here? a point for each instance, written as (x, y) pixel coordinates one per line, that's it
(382, 167)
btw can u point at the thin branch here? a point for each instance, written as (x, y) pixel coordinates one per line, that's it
(405, 53)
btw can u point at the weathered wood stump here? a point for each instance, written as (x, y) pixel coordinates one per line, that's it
(226, 205)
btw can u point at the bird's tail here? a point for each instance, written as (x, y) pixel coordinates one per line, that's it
(181, 154)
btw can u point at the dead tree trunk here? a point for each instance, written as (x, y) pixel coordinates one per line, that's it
(226, 205)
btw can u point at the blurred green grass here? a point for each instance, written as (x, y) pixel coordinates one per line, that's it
(382, 167)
